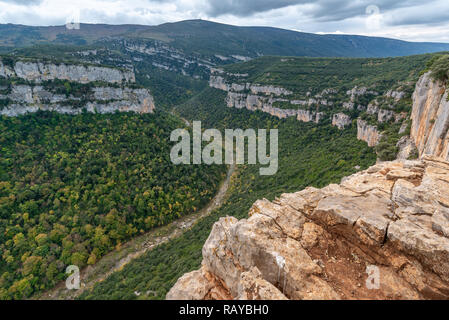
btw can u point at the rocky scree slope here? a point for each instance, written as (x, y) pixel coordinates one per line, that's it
(32, 85)
(320, 243)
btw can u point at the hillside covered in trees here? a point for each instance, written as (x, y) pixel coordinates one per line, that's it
(199, 38)
(73, 188)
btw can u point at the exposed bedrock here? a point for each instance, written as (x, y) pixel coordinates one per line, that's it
(41, 71)
(368, 133)
(324, 243)
(430, 117)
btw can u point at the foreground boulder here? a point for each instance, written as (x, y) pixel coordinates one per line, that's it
(381, 234)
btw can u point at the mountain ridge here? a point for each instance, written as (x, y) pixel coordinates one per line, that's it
(200, 36)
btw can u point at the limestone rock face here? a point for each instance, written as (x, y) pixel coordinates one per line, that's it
(385, 115)
(253, 287)
(218, 82)
(39, 71)
(199, 285)
(265, 104)
(341, 120)
(373, 108)
(406, 147)
(368, 133)
(27, 98)
(359, 91)
(305, 116)
(263, 97)
(309, 116)
(5, 71)
(396, 95)
(256, 89)
(114, 94)
(392, 218)
(430, 118)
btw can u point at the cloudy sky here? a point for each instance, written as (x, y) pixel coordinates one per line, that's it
(414, 20)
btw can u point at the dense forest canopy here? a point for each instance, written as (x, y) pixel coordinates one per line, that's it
(302, 75)
(439, 66)
(73, 188)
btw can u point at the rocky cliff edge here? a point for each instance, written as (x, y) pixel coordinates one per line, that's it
(380, 234)
(109, 92)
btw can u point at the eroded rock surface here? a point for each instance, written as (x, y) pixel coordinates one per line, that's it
(28, 98)
(392, 218)
(110, 93)
(430, 117)
(341, 120)
(38, 71)
(406, 147)
(368, 133)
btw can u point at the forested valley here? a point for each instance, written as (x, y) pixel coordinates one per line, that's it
(309, 155)
(72, 188)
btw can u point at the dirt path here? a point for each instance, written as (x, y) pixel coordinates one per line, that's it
(117, 259)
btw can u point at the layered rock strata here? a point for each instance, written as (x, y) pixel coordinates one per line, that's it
(341, 120)
(40, 71)
(382, 233)
(27, 99)
(108, 91)
(430, 117)
(368, 133)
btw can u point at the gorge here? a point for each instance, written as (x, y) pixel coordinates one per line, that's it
(322, 243)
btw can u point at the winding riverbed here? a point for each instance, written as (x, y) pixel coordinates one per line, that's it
(117, 259)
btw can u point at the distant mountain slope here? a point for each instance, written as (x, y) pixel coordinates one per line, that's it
(303, 74)
(374, 94)
(210, 39)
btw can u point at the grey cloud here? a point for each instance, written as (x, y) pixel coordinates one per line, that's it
(246, 7)
(422, 15)
(337, 10)
(318, 10)
(420, 20)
